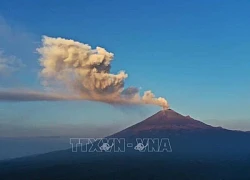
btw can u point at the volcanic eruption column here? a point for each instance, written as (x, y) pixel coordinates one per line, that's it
(86, 72)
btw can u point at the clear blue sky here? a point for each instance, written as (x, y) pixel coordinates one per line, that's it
(194, 53)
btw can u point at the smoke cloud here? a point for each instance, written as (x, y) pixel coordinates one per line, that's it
(86, 73)
(21, 95)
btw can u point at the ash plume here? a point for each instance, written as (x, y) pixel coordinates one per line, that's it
(21, 95)
(86, 72)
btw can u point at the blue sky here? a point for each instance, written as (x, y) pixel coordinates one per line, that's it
(193, 53)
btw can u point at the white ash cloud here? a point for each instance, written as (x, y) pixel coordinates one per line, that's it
(86, 72)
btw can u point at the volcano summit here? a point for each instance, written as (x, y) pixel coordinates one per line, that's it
(166, 121)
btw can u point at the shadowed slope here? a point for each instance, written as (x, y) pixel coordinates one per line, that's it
(167, 120)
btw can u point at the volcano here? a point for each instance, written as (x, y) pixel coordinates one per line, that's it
(169, 120)
(188, 136)
(166, 122)
(199, 151)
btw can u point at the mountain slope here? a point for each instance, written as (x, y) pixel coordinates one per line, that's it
(168, 120)
(188, 136)
(199, 151)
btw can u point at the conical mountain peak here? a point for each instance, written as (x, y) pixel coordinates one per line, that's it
(167, 120)
(168, 114)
